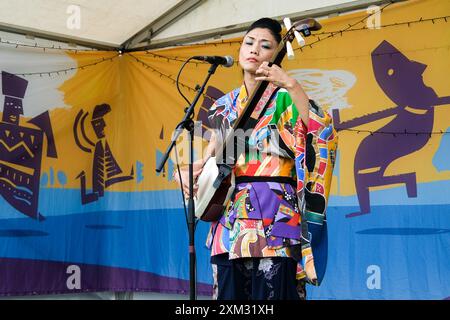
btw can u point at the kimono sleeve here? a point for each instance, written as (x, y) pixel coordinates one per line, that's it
(314, 165)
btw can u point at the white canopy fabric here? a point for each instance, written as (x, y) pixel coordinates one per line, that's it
(138, 23)
(101, 21)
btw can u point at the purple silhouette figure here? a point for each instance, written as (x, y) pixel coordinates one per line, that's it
(105, 169)
(401, 80)
(21, 149)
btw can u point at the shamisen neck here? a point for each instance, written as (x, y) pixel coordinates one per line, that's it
(250, 82)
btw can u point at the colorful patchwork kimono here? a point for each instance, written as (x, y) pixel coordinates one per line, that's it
(278, 208)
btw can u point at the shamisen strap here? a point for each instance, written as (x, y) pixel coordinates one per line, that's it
(261, 107)
(248, 120)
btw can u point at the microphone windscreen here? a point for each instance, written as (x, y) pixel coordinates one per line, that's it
(230, 61)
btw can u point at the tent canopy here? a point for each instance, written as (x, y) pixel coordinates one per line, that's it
(143, 24)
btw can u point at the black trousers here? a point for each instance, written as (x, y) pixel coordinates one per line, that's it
(256, 278)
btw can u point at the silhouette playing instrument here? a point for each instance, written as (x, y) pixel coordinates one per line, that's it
(21, 149)
(105, 169)
(401, 80)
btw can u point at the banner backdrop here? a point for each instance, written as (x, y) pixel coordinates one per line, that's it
(82, 208)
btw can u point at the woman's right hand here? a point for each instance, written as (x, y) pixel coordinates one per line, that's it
(198, 168)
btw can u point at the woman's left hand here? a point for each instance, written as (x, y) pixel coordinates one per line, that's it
(276, 75)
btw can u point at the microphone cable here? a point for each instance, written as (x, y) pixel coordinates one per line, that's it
(178, 78)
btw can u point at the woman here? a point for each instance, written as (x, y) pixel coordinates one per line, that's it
(258, 248)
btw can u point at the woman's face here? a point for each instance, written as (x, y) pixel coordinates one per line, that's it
(258, 46)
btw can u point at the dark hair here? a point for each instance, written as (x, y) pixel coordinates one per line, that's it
(267, 23)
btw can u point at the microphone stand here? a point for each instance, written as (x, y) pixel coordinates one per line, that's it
(188, 124)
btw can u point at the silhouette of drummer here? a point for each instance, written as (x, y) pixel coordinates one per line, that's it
(22, 149)
(105, 169)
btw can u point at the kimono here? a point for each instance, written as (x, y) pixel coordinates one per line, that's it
(278, 208)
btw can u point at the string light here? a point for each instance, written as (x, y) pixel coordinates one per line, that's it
(328, 34)
(373, 54)
(177, 58)
(169, 77)
(206, 43)
(396, 24)
(223, 42)
(349, 26)
(171, 58)
(44, 48)
(160, 56)
(68, 69)
(440, 132)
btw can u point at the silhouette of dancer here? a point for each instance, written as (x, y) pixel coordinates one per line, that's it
(21, 149)
(401, 80)
(105, 169)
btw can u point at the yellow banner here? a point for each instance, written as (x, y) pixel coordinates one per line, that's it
(336, 67)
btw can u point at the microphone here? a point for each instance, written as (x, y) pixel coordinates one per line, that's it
(226, 61)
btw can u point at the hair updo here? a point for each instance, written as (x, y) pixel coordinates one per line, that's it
(267, 23)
